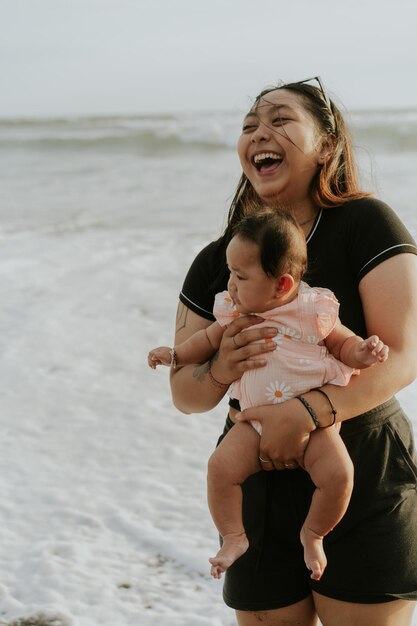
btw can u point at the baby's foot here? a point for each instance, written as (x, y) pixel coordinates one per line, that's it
(314, 556)
(234, 545)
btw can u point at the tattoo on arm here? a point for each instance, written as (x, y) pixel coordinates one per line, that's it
(200, 372)
(182, 313)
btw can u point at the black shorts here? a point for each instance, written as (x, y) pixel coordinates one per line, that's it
(372, 552)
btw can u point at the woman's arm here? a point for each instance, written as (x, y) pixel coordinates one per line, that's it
(389, 299)
(189, 386)
(193, 389)
(200, 346)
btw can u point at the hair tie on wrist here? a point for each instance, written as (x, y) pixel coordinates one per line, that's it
(310, 409)
(214, 381)
(332, 407)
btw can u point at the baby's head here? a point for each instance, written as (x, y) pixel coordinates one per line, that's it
(267, 258)
(281, 242)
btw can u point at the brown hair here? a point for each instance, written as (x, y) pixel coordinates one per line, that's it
(336, 181)
(281, 242)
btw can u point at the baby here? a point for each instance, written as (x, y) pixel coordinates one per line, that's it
(267, 258)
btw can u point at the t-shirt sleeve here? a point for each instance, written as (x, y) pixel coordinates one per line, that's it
(199, 288)
(376, 233)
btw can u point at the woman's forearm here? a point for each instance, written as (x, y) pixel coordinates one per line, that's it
(191, 388)
(193, 391)
(371, 387)
(286, 427)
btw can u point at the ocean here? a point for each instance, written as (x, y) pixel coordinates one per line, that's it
(138, 169)
(102, 482)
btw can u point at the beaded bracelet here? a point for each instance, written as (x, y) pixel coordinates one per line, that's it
(174, 358)
(214, 381)
(310, 409)
(332, 407)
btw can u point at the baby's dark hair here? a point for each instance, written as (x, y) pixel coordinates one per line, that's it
(281, 241)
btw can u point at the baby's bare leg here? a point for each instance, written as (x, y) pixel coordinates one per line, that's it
(329, 465)
(235, 459)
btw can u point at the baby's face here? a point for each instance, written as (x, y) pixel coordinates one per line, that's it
(250, 288)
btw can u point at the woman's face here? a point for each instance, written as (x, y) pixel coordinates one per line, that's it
(279, 148)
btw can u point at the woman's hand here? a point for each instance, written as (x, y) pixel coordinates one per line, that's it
(238, 353)
(192, 390)
(286, 429)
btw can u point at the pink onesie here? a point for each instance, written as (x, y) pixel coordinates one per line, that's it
(301, 361)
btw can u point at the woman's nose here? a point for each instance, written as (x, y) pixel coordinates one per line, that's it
(261, 133)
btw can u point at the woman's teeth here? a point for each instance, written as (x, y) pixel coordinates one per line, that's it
(266, 158)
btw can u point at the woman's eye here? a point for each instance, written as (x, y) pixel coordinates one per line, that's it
(278, 121)
(248, 127)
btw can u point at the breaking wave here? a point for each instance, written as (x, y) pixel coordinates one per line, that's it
(394, 130)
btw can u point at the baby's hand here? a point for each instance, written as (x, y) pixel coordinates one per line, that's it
(159, 356)
(372, 350)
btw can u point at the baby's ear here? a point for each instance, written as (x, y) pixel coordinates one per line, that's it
(285, 284)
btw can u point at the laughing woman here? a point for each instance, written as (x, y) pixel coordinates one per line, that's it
(295, 153)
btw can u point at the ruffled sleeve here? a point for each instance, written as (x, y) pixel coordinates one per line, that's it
(327, 311)
(224, 310)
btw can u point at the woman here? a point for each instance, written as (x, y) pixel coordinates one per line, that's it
(295, 152)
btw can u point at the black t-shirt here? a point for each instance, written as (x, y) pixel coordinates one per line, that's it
(345, 243)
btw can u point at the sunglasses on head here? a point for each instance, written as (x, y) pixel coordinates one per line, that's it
(319, 86)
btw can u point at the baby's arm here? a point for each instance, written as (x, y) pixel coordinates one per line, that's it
(354, 351)
(197, 349)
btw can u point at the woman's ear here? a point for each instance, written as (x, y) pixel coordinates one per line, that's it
(326, 150)
(285, 284)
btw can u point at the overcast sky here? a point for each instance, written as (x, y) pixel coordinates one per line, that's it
(60, 57)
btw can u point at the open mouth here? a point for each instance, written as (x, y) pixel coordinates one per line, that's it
(266, 160)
